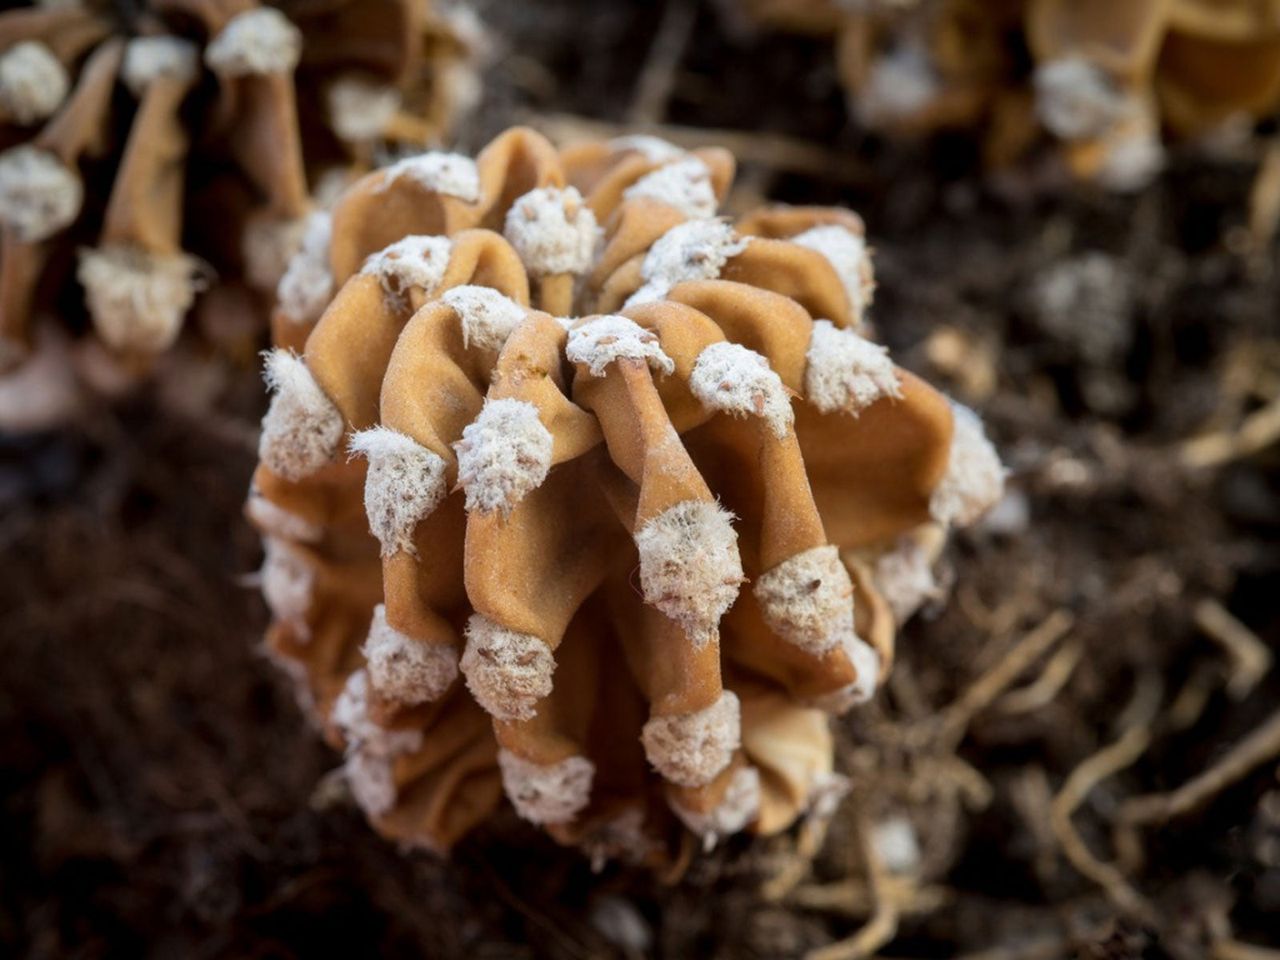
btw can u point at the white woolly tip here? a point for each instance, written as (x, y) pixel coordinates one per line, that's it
(848, 255)
(39, 194)
(974, 480)
(507, 672)
(900, 85)
(302, 430)
(622, 837)
(553, 231)
(847, 373)
(694, 250)
(1077, 100)
(307, 284)
(896, 845)
(371, 750)
(261, 40)
(403, 669)
(808, 600)
(359, 109)
(684, 184)
(607, 339)
(147, 59)
(550, 794)
(825, 793)
(269, 244)
(503, 455)
(1133, 158)
(740, 805)
(653, 149)
(138, 300)
(403, 486)
(412, 262)
(488, 318)
(689, 565)
(693, 749)
(33, 83)
(449, 173)
(866, 663)
(732, 379)
(273, 520)
(287, 579)
(904, 577)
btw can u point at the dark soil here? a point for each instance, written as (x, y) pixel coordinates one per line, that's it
(162, 795)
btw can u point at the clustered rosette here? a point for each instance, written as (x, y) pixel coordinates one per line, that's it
(148, 149)
(574, 492)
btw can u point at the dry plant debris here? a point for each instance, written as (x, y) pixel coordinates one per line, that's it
(151, 151)
(582, 494)
(1103, 82)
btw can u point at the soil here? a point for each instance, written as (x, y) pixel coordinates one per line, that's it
(163, 797)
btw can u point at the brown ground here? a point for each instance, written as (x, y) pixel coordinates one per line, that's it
(159, 787)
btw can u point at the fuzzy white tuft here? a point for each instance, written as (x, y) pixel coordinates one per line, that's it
(39, 194)
(848, 255)
(622, 836)
(689, 565)
(503, 455)
(847, 373)
(413, 261)
(302, 430)
(507, 672)
(371, 750)
(137, 299)
(825, 793)
(488, 318)
(741, 805)
(147, 59)
(33, 83)
(866, 662)
(734, 380)
(904, 577)
(273, 520)
(269, 244)
(896, 845)
(808, 599)
(900, 85)
(695, 250)
(1077, 100)
(684, 184)
(653, 149)
(403, 669)
(692, 749)
(307, 284)
(974, 480)
(1133, 158)
(547, 794)
(553, 230)
(449, 173)
(258, 41)
(359, 109)
(611, 338)
(404, 485)
(287, 580)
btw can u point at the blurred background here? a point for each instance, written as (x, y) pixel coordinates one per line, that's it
(1096, 274)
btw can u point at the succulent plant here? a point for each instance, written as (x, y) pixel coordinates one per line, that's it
(149, 147)
(581, 494)
(1101, 80)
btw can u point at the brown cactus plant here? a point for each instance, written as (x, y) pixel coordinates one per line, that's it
(1100, 80)
(580, 494)
(147, 148)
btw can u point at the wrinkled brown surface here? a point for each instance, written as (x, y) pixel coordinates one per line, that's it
(156, 776)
